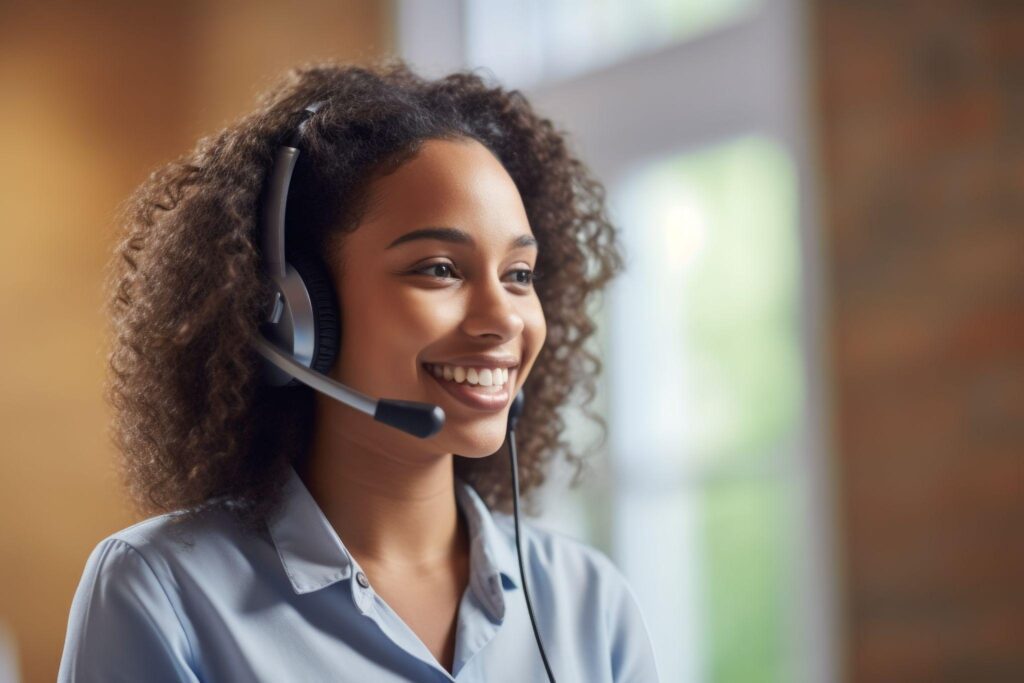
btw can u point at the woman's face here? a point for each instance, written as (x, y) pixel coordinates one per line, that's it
(408, 301)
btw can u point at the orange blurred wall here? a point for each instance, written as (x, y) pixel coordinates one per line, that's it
(95, 97)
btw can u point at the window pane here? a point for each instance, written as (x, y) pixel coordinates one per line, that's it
(536, 40)
(744, 590)
(706, 316)
(706, 388)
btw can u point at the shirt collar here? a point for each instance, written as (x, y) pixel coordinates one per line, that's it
(314, 557)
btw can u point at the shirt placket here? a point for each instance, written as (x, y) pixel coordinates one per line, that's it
(374, 608)
(476, 624)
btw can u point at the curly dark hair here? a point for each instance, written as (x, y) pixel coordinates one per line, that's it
(194, 425)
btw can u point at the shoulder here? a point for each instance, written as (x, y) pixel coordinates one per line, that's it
(174, 529)
(593, 595)
(565, 558)
(126, 618)
(169, 545)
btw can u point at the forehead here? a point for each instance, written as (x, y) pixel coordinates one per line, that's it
(457, 183)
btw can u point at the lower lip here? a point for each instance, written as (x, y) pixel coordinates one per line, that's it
(474, 398)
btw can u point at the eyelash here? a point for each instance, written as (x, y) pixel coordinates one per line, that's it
(534, 275)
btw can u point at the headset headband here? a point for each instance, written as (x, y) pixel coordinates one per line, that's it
(275, 203)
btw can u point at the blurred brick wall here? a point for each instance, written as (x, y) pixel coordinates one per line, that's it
(922, 110)
(95, 95)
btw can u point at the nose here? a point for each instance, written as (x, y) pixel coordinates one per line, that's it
(492, 311)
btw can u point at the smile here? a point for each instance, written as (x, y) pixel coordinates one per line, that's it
(479, 388)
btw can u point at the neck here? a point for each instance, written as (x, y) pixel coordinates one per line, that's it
(392, 504)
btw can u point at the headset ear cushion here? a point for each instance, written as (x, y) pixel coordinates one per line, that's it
(326, 323)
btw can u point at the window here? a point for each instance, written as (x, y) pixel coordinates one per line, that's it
(543, 40)
(707, 386)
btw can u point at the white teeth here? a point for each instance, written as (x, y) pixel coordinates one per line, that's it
(484, 377)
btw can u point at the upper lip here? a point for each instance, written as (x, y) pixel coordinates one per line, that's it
(479, 361)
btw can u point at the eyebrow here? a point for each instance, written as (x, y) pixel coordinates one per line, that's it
(456, 236)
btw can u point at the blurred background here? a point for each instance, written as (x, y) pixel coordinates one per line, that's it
(814, 362)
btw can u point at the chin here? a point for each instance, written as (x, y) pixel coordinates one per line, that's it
(477, 455)
(478, 446)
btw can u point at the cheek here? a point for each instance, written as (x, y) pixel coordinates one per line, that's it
(422, 317)
(535, 331)
(388, 330)
(374, 335)
(539, 329)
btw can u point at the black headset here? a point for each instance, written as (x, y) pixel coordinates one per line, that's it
(300, 337)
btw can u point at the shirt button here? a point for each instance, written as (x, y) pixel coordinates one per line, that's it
(363, 581)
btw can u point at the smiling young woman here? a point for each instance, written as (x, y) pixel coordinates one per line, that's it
(295, 538)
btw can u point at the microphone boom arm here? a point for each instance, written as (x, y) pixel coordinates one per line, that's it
(419, 419)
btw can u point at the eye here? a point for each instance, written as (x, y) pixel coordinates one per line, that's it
(434, 267)
(442, 270)
(531, 276)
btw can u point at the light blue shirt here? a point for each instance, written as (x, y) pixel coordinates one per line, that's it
(291, 605)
